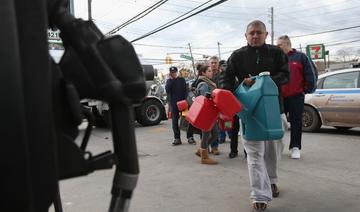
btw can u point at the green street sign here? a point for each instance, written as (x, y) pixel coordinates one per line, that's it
(186, 56)
(316, 51)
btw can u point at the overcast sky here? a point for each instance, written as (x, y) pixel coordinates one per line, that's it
(226, 24)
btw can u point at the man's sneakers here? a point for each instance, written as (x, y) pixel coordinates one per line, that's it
(191, 140)
(259, 206)
(275, 190)
(295, 153)
(176, 142)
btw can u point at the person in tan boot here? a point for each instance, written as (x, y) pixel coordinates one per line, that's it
(206, 85)
(205, 159)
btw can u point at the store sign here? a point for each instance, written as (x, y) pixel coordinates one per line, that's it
(316, 51)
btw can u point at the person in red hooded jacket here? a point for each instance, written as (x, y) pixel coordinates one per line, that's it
(302, 81)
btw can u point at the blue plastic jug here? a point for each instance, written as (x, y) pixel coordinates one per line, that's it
(260, 117)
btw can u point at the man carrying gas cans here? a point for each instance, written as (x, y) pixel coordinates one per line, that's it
(248, 61)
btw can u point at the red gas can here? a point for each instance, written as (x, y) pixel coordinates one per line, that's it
(226, 122)
(203, 113)
(182, 105)
(169, 114)
(226, 102)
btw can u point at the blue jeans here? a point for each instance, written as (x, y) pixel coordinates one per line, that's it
(175, 122)
(216, 142)
(175, 125)
(209, 137)
(294, 106)
(222, 134)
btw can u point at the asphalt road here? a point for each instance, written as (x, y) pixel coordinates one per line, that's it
(326, 178)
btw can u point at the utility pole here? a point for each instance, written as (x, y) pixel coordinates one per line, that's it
(300, 47)
(89, 10)
(192, 59)
(218, 43)
(71, 5)
(272, 24)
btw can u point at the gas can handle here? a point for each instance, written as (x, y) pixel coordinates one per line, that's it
(265, 73)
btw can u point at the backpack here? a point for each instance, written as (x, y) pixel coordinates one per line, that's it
(192, 94)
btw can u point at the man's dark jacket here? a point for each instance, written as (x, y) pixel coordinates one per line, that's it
(254, 60)
(176, 89)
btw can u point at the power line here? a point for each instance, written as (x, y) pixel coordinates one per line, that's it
(341, 43)
(169, 22)
(311, 25)
(202, 10)
(220, 11)
(211, 16)
(313, 5)
(179, 47)
(138, 16)
(251, 8)
(299, 23)
(343, 10)
(323, 32)
(160, 46)
(320, 11)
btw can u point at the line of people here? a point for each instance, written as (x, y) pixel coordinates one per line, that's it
(293, 73)
(177, 90)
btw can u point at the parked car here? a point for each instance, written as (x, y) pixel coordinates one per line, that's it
(336, 101)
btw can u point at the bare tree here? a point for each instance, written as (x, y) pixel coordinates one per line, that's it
(352, 54)
(357, 54)
(343, 53)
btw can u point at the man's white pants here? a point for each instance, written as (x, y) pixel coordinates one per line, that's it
(262, 159)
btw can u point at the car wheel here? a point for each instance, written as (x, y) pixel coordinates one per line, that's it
(149, 113)
(310, 120)
(343, 128)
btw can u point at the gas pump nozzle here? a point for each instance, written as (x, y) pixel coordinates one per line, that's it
(106, 68)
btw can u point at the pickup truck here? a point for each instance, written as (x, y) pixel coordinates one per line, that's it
(150, 112)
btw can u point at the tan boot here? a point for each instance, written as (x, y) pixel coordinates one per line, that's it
(198, 152)
(215, 150)
(205, 157)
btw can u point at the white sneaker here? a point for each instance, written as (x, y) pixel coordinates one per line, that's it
(295, 153)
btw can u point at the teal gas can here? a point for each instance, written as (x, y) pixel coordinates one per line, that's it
(260, 117)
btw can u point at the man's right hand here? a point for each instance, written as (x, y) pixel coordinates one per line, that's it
(248, 81)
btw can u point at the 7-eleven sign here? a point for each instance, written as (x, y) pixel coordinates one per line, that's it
(316, 51)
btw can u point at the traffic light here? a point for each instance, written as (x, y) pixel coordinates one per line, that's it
(168, 60)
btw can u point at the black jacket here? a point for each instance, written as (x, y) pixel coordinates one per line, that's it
(254, 60)
(176, 89)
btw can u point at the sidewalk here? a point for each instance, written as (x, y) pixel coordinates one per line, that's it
(172, 179)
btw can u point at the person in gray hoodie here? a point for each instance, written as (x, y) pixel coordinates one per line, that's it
(206, 85)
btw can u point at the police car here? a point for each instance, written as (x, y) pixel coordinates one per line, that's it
(336, 101)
